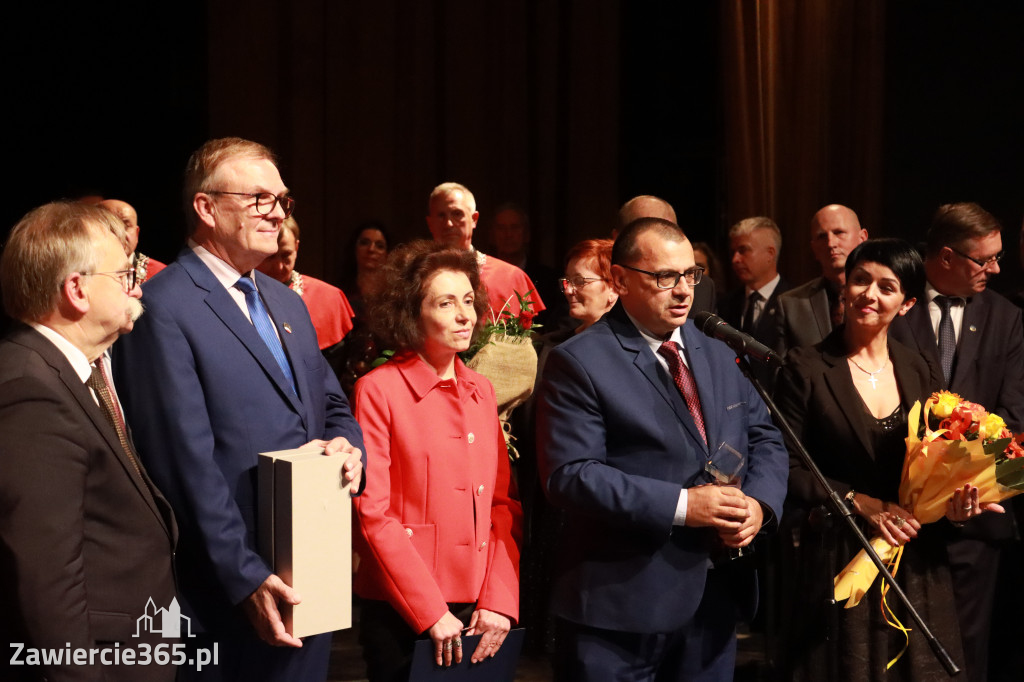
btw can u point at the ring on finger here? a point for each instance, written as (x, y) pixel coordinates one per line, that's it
(457, 643)
(968, 507)
(447, 646)
(899, 522)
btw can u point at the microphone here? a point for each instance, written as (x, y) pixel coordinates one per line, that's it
(717, 328)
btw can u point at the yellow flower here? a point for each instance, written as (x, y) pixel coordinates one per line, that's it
(991, 427)
(944, 403)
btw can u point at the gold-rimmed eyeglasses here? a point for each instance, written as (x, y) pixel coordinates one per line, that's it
(125, 277)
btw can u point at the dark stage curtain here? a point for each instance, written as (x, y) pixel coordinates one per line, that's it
(371, 104)
(803, 84)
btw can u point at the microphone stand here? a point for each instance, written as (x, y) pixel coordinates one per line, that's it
(846, 513)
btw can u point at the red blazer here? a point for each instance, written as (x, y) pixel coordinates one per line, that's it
(438, 519)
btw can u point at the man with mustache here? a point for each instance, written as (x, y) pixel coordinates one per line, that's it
(86, 540)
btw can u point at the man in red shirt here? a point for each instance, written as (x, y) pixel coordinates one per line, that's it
(328, 306)
(452, 217)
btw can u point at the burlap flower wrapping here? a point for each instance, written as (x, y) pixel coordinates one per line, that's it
(510, 363)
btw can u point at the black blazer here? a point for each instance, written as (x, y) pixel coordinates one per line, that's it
(988, 370)
(86, 540)
(804, 317)
(767, 330)
(816, 395)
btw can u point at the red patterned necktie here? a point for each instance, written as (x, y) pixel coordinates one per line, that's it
(684, 382)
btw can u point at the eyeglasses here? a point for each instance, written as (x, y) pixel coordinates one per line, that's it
(670, 280)
(265, 201)
(125, 277)
(977, 261)
(577, 282)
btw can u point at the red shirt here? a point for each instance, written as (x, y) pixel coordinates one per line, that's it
(438, 518)
(503, 281)
(328, 307)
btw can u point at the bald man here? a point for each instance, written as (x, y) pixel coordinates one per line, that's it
(649, 206)
(809, 312)
(145, 267)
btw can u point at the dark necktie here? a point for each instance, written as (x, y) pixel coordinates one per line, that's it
(947, 337)
(748, 317)
(99, 383)
(264, 326)
(683, 377)
(837, 311)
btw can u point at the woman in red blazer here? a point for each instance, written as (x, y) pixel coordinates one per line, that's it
(440, 525)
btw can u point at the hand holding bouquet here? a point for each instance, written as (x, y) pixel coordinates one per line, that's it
(969, 456)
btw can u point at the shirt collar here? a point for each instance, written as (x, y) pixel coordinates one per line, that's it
(423, 379)
(224, 273)
(654, 341)
(768, 289)
(931, 293)
(75, 357)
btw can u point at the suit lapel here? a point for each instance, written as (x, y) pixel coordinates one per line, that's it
(765, 330)
(840, 383)
(697, 359)
(920, 324)
(912, 385)
(820, 309)
(80, 392)
(976, 314)
(225, 308)
(649, 366)
(278, 307)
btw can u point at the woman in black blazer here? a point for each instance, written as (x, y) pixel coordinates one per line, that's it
(847, 399)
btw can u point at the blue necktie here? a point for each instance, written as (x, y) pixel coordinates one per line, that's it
(947, 337)
(265, 327)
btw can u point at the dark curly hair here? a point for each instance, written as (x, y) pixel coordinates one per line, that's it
(395, 312)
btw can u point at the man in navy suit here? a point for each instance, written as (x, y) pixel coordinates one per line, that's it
(984, 363)
(225, 366)
(630, 413)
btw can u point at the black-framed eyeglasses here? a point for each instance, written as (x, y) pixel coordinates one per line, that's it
(265, 201)
(125, 277)
(977, 261)
(577, 282)
(670, 280)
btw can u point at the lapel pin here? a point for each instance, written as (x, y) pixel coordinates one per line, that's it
(287, 327)
(973, 328)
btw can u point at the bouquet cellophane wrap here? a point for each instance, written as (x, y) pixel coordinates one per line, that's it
(510, 363)
(932, 470)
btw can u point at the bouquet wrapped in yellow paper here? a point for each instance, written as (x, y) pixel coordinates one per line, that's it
(969, 445)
